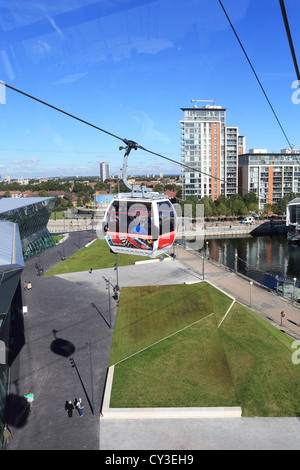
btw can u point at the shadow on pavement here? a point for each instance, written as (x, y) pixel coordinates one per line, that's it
(61, 346)
(18, 411)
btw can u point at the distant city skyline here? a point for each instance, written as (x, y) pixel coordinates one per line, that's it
(128, 68)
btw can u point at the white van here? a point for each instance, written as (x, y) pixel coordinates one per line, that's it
(248, 220)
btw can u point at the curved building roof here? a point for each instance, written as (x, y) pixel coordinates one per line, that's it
(12, 203)
(11, 255)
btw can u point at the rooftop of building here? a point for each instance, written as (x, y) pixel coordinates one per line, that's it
(10, 248)
(11, 203)
(204, 108)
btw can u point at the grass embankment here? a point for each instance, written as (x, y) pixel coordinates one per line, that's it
(57, 238)
(246, 362)
(97, 256)
(259, 356)
(186, 369)
(57, 215)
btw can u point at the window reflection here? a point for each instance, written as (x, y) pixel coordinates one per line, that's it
(32, 220)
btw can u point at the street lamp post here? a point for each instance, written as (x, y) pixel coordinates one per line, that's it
(63, 248)
(109, 307)
(88, 347)
(117, 288)
(251, 284)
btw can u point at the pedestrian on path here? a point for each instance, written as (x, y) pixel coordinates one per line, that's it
(6, 435)
(69, 408)
(282, 316)
(30, 398)
(80, 406)
(91, 271)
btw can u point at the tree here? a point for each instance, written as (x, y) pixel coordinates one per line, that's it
(179, 193)
(253, 208)
(43, 193)
(267, 208)
(222, 209)
(192, 201)
(238, 207)
(121, 187)
(250, 198)
(86, 200)
(158, 188)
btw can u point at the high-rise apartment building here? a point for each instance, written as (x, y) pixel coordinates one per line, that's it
(210, 150)
(104, 171)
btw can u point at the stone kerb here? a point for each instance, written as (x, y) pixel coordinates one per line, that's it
(162, 413)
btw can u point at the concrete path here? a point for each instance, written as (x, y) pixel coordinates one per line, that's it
(201, 434)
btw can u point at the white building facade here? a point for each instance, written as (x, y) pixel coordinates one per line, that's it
(104, 171)
(271, 176)
(210, 150)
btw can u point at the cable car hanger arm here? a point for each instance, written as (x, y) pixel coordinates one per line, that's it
(130, 144)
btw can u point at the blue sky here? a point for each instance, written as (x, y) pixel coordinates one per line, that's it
(128, 66)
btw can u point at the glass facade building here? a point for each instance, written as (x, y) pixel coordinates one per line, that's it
(23, 234)
(31, 215)
(11, 266)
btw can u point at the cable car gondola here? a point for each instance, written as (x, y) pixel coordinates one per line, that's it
(141, 222)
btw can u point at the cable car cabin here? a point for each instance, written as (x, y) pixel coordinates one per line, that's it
(140, 225)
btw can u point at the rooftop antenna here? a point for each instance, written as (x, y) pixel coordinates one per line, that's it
(204, 101)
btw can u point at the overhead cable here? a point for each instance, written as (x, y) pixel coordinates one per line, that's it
(259, 82)
(58, 109)
(127, 142)
(289, 36)
(106, 132)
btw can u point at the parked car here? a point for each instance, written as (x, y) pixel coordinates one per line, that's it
(248, 220)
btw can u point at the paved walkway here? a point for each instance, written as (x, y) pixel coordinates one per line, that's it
(67, 311)
(64, 313)
(62, 317)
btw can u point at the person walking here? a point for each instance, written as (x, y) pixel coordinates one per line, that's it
(70, 408)
(6, 435)
(80, 406)
(30, 398)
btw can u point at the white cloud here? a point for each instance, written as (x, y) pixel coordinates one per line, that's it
(70, 78)
(148, 131)
(55, 26)
(41, 48)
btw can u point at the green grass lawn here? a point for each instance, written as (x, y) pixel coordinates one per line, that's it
(57, 215)
(259, 356)
(246, 362)
(57, 238)
(97, 256)
(147, 314)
